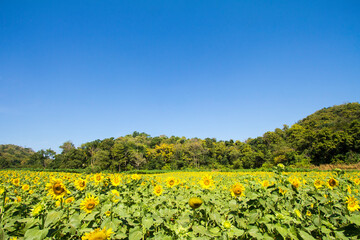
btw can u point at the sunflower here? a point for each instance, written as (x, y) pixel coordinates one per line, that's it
(69, 200)
(237, 190)
(195, 202)
(295, 182)
(171, 182)
(353, 204)
(16, 181)
(115, 195)
(25, 187)
(207, 182)
(2, 190)
(158, 190)
(135, 177)
(80, 184)
(265, 183)
(98, 178)
(357, 181)
(115, 180)
(318, 183)
(332, 182)
(89, 203)
(98, 234)
(36, 210)
(282, 191)
(56, 188)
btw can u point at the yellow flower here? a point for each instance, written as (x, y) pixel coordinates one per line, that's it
(89, 203)
(332, 182)
(195, 202)
(158, 190)
(36, 210)
(25, 187)
(353, 204)
(207, 182)
(18, 199)
(295, 182)
(56, 188)
(80, 184)
(349, 189)
(135, 177)
(298, 213)
(2, 190)
(98, 178)
(16, 181)
(265, 183)
(116, 195)
(13, 238)
(171, 182)
(115, 180)
(318, 183)
(308, 213)
(69, 200)
(357, 181)
(227, 224)
(98, 234)
(282, 191)
(237, 190)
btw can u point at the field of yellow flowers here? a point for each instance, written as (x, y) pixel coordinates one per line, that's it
(180, 205)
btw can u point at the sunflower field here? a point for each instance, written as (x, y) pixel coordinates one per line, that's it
(180, 205)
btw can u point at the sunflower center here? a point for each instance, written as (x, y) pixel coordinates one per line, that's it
(58, 189)
(332, 182)
(90, 205)
(171, 182)
(207, 182)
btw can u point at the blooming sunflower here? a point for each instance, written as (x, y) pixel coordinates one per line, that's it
(353, 204)
(69, 200)
(98, 178)
(332, 182)
(295, 182)
(16, 181)
(89, 203)
(237, 190)
(207, 182)
(115, 180)
(171, 182)
(282, 191)
(158, 190)
(80, 184)
(98, 234)
(36, 210)
(56, 188)
(318, 183)
(135, 177)
(115, 195)
(25, 187)
(195, 202)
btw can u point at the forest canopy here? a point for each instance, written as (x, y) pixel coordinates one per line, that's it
(330, 135)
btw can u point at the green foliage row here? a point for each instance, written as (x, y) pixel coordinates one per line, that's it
(330, 135)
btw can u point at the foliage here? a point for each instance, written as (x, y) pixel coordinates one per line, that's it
(184, 205)
(329, 136)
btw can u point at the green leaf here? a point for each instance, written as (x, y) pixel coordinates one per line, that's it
(281, 230)
(354, 219)
(304, 235)
(53, 217)
(135, 234)
(36, 234)
(147, 222)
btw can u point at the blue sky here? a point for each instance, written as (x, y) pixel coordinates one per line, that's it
(86, 70)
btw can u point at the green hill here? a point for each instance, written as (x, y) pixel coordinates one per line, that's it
(14, 156)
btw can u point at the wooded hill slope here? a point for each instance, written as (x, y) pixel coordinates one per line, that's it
(330, 135)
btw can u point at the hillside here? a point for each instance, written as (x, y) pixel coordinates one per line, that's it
(328, 136)
(14, 156)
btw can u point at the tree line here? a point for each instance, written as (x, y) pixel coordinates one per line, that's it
(330, 135)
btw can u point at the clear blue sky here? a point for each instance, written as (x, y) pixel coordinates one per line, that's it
(86, 70)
